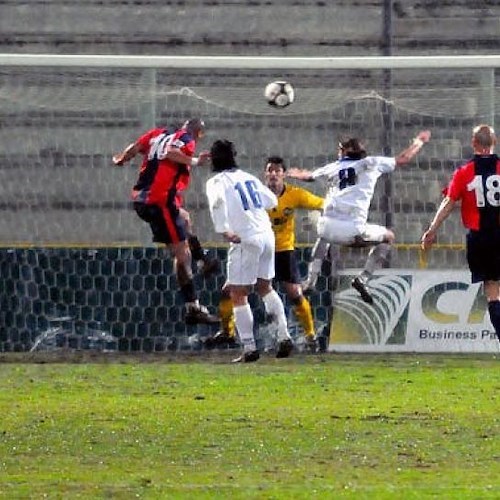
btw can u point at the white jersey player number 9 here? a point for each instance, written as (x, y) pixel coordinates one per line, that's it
(347, 177)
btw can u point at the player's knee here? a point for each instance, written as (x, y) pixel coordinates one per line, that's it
(294, 292)
(239, 295)
(389, 237)
(492, 290)
(225, 292)
(263, 287)
(297, 300)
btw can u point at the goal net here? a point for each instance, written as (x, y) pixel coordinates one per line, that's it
(61, 124)
(63, 117)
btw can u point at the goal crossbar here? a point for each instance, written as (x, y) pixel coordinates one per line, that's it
(224, 62)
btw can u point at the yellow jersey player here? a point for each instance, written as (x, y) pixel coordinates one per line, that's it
(282, 217)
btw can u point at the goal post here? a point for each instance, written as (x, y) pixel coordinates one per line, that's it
(71, 247)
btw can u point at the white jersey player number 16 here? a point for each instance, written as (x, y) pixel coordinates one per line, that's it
(249, 191)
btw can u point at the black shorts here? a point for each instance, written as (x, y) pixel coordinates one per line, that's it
(165, 221)
(483, 255)
(286, 267)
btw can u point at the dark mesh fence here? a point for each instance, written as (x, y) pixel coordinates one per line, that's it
(121, 299)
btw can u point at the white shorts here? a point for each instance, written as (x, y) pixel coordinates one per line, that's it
(346, 232)
(251, 259)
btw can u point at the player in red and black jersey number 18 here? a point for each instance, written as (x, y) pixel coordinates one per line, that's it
(477, 186)
(168, 158)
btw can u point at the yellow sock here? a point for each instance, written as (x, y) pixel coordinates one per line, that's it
(226, 315)
(304, 314)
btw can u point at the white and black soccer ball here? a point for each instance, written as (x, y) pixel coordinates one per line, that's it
(279, 93)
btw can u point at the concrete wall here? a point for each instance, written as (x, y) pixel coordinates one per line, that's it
(273, 27)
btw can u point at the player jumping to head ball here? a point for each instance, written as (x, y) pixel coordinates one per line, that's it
(352, 180)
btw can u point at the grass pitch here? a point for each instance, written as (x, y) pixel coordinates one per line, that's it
(331, 426)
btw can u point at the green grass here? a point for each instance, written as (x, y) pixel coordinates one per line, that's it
(333, 426)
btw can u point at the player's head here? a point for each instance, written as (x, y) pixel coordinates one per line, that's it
(195, 127)
(276, 162)
(351, 148)
(274, 173)
(483, 139)
(223, 155)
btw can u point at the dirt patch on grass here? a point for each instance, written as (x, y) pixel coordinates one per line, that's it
(88, 356)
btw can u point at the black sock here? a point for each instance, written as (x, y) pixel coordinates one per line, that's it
(494, 310)
(196, 249)
(188, 292)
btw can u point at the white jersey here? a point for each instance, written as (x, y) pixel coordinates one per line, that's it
(238, 202)
(352, 184)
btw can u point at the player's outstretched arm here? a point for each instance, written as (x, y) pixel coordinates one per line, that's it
(429, 237)
(176, 155)
(204, 158)
(299, 173)
(126, 155)
(412, 150)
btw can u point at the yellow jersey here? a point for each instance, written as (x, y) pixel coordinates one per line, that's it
(283, 216)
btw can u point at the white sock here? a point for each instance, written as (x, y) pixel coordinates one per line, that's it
(274, 306)
(318, 254)
(243, 319)
(313, 270)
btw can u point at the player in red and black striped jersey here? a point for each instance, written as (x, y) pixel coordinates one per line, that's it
(477, 185)
(164, 174)
(155, 184)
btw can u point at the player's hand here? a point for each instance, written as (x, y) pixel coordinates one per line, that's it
(118, 160)
(292, 172)
(204, 158)
(424, 135)
(231, 237)
(428, 239)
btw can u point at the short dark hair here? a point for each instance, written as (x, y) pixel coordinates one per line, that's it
(223, 155)
(352, 148)
(277, 159)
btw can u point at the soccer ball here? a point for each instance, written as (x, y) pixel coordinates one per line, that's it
(279, 93)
